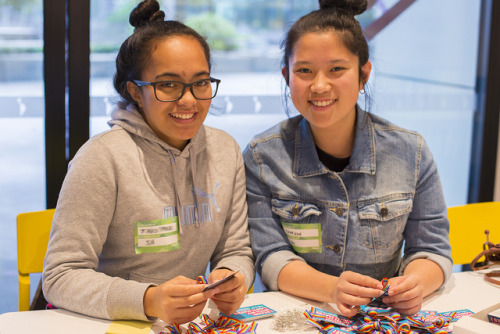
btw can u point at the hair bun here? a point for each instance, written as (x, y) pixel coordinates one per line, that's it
(146, 12)
(353, 7)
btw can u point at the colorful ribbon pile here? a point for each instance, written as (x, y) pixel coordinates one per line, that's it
(383, 320)
(223, 325)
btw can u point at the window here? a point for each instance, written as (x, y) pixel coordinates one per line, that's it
(423, 78)
(22, 151)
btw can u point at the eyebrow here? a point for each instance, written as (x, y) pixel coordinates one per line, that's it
(335, 61)
(177, 76)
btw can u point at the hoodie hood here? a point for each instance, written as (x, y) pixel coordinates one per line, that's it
(130, 119)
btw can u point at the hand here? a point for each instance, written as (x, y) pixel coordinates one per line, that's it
(406, 294)
(179, 300)
(353, 290)
(229, 295)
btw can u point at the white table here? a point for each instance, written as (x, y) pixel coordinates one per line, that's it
(465, 290)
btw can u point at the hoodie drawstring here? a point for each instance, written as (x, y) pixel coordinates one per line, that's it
(178, 202)
(192, 157)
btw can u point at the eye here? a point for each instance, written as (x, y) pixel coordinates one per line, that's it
(303, 70)
(167, 84)
(202, 83)
(337, 68)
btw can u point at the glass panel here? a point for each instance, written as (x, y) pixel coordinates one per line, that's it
(423, 79)
(22, 181)
(423, 76)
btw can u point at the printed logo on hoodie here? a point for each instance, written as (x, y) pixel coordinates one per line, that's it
(189, 210)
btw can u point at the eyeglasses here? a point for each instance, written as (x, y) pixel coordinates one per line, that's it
(171, 91)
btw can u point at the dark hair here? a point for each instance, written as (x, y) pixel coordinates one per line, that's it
(136, 50)
(333, 15)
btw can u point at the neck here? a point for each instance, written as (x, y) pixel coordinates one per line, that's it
(337, 141)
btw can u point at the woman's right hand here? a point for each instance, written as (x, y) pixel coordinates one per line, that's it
(353, 290)
(179, 300)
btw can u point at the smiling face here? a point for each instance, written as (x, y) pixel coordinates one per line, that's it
(324, 81)
(179, 58)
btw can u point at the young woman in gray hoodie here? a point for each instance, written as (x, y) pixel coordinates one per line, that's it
(148, 204)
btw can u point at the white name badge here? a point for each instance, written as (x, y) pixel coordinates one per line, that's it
(304, 238)
(156, 236)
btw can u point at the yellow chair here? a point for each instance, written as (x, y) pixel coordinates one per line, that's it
(467, 225)
(33, 229)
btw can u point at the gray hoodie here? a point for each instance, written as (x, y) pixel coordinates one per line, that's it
(123, 188)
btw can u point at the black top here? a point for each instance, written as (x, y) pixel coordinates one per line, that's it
(331, 162)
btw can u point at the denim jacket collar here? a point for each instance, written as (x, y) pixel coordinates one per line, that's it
(306, 162)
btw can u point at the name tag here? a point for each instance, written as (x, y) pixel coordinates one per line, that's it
(304, 238)
(156, 236)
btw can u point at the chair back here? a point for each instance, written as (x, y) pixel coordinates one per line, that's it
(33, 229)
(467, 225)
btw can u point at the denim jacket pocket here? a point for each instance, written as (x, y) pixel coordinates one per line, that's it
(294, 211)
(296, 218)
(383, 222)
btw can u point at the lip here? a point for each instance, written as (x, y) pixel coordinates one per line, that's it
(324, 103)
(183, 117)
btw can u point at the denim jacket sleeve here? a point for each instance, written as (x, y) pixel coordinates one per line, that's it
(426, 232)
(269, 242)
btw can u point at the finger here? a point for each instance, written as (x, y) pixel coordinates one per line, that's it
(228, 300)
(348, 310)
(184, 290)
(361, 291)
(232, 289)
(228, 307)
(405, 293)
(189, 301)
(401, 284)
(406, 309)
(229, 296)
(182, 315)
(362, 280)
(218, 274)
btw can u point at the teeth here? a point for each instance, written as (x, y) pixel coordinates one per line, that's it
(182, 116)
(322, 103)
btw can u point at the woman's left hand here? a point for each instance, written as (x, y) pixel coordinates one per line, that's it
(406, 294)
(229, 295)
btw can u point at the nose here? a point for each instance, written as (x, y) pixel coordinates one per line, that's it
(320, 83)
(187, 98)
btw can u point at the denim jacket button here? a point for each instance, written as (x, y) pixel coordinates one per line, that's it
(384, 212)
(336, 248)
(296, 210)
(339, 212)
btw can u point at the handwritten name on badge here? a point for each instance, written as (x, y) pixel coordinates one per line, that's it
(156, 236)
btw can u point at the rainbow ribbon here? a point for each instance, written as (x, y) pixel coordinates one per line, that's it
(382, 320)
(201, 280)
(223, 325)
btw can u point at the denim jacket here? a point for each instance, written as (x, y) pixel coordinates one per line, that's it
(387, 200)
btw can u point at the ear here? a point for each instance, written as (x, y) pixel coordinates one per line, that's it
(284, 73)
(135, 93)
(365, 73)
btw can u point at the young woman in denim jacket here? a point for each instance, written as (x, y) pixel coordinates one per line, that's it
(336, 193)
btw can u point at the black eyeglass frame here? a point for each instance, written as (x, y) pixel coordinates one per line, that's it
(140, 83)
